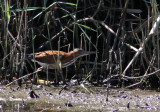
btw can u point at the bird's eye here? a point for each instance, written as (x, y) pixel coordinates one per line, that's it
(38, 54)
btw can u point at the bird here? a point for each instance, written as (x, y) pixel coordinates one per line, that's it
(53, 59)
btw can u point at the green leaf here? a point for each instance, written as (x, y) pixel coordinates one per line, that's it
(68, 3)
(85, 26)
(44, 36)
(7, 9)
(69, 29)
(27, 9)
(71, 4)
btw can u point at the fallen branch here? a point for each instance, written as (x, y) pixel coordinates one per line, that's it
(38, 70)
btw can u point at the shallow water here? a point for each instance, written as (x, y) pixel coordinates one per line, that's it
(77, 99)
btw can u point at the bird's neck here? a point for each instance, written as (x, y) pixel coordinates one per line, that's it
(78, 54)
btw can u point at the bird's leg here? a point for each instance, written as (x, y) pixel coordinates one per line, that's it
(61, 73)
(47, 75)
(56, 77)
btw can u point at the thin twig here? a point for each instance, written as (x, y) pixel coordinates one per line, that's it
(145, 75)
(123, 15)
(98, 8)
(131, 47)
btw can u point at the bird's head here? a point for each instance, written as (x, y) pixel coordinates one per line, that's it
(82, 52)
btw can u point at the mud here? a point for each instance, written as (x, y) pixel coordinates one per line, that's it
(40, 98)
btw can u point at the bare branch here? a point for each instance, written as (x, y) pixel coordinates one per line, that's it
(155, 26)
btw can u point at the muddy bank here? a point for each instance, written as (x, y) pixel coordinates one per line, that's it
(48, 99)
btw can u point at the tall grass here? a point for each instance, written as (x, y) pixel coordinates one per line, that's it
(114, 28)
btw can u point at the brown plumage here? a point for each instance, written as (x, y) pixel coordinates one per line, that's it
(55, 59)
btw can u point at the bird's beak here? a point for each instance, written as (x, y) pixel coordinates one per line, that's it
(90, 52)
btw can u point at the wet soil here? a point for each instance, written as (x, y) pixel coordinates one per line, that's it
(43, 98)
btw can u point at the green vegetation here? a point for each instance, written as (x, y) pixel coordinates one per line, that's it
(123, 32)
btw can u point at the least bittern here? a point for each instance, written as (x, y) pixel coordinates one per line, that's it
(54, 59)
